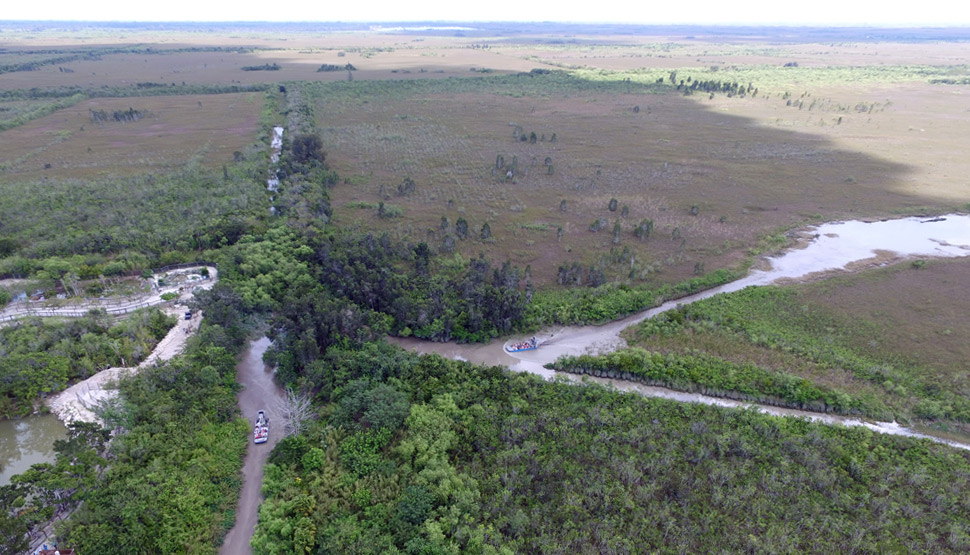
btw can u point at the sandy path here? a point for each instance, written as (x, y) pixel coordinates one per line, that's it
(76, 402)
(259, 392)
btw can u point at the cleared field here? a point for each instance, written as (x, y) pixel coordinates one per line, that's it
(169, 133)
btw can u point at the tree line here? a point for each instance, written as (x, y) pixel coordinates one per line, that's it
(426, 455)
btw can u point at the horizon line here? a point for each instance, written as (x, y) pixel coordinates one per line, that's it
(442, 22)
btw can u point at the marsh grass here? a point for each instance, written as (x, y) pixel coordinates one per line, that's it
(447, 135)
(68, 144)
(842, 334)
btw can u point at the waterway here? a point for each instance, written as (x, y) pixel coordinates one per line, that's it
(27, 441)
(828, 248)
(259, 392)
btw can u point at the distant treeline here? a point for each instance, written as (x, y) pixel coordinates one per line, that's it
(712, 86)
(335, 67)
(67, 56)
(964, 81)
(691, 85)
(34, 65)
(140, 89)
(265, 67)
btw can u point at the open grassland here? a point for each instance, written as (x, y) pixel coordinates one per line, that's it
(93, 58)
(158, 134)
(830, 125)
(166, 177)
(15, 113)
(908, 353)
(211, 62)
(712, 183)
(915, 124)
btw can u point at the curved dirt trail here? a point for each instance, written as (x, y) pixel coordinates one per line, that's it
(259, 392)
(76, 402)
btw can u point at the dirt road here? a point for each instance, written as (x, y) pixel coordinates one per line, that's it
(259, 392)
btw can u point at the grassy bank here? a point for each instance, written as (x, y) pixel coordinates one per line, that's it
(841, 334)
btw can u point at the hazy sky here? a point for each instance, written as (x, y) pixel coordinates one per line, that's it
(812, 12)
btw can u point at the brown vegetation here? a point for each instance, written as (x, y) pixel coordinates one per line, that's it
(173, 130)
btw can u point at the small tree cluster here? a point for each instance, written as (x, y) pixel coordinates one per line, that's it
(334, 67)
(124, 116)
(406, 187)
(575, 274)
(643, 229)
(307, 148)
(531, 137)
(265, 67)
(712, 86)
(570, 275)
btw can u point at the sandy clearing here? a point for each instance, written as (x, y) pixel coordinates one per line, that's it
(76, 402)
(73, 310)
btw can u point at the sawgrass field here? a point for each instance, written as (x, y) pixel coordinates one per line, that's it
(642, 158)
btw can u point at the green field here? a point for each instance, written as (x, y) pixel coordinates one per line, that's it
(907, 355)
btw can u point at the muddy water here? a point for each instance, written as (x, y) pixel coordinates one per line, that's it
(27, 441)
(259, 392)
(830, 247)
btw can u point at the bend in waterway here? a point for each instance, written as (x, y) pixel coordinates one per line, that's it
(831, 247)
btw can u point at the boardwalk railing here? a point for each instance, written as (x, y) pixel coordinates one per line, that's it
(23, 309)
